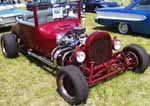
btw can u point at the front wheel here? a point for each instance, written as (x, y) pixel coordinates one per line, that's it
(123, 28)
(136, 58)
(72, 85)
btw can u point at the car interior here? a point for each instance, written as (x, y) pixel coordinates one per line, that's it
(44, 16)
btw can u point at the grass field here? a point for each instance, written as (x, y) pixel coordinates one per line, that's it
(24, 82)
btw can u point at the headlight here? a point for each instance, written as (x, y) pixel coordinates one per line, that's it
(80, 56)
(117, 44)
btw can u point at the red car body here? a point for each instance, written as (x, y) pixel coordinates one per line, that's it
(73, 75)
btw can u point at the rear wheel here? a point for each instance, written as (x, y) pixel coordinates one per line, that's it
(72, 85)
(123, 28)
(9, 45)
(136, 58)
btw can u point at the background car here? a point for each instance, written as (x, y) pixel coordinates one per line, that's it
(91, 5)
(41, 5)
(134, 17)
(46, 4)
(8, 13)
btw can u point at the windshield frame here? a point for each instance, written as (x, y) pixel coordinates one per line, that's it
(37, 16)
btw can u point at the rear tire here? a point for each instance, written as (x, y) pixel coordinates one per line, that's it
(72, 85)
(9, 45)
(140, 54)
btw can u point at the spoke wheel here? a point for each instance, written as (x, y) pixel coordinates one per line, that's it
(136, 58)
(131, 60)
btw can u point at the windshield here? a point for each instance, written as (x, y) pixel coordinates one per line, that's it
(57, 12)
(142, 5)
(66, 11)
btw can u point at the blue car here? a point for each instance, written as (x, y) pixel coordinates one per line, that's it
(91, 5)
(135, 17)
(8, 13)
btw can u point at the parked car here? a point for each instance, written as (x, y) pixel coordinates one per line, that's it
(41, 5)
(8, 13)
(88, 5)
(91, 5)
(133, 18)
(56, 38)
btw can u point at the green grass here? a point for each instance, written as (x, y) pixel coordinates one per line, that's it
(23, 82)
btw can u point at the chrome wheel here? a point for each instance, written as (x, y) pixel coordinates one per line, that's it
(123, 28)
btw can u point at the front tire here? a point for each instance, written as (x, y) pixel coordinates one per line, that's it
(9, 45)
(123, 28)
(72, 85)
(138, 56)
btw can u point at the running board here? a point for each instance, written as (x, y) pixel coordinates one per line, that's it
(43, 59)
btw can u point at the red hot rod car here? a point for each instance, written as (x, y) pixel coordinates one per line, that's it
(56, 38)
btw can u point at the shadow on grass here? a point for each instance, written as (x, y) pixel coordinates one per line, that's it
(114, 30)
(3, 30)
(39, 64)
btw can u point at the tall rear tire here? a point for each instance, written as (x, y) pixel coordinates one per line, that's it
(140, 56)
(9, 45)
(72, 85)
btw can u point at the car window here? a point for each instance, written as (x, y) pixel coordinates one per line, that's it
(142, 5)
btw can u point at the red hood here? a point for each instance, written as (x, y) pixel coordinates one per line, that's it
(48, 33)
(51, 29)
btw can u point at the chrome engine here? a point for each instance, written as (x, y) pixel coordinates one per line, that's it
(73, 38)
(67, 43)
